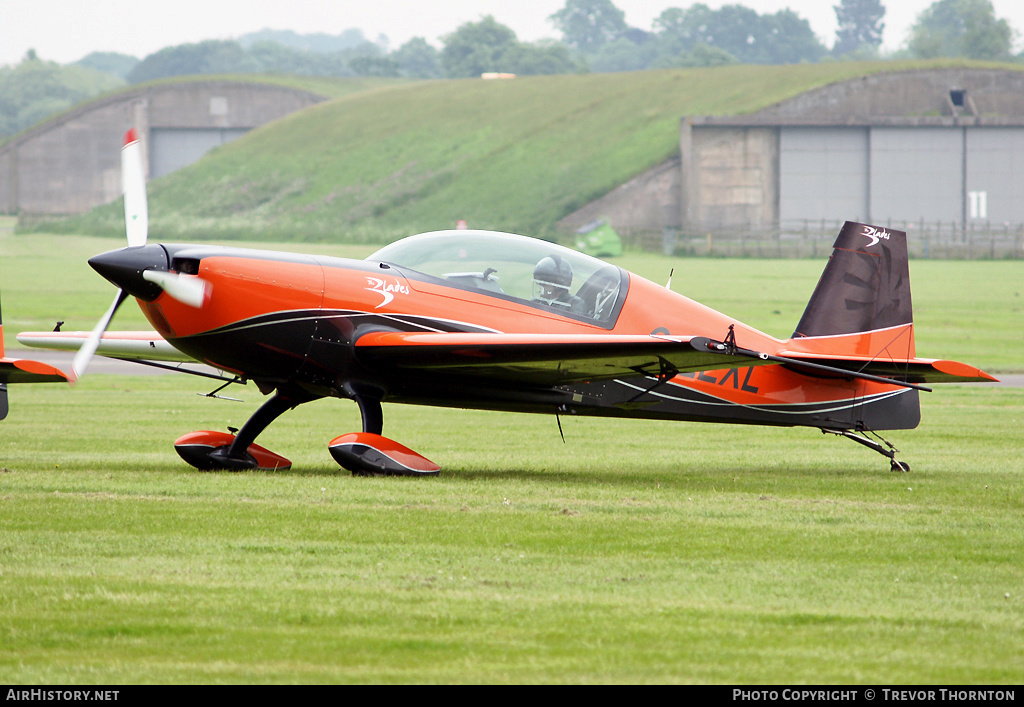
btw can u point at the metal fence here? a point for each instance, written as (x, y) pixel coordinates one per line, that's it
(802, 239)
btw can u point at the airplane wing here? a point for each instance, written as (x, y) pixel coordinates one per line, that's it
(139, 345)
(21, 370)
(542, 359)
(554, 359)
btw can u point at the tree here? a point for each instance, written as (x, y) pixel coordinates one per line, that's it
(35, 89)
(541, 58)
(738, 32)
(210, 57)
(417, 59)
(588, 25)
(119, 65)
(702, 56)
(374, 66)
(671, 29)
(624, 54)
(787, 38)
(966, 28)
(317, 43)
(276, 58)
(477, 47)
(859, 23)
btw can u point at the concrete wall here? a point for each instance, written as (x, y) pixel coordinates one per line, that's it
(732, 178)
(72, 164)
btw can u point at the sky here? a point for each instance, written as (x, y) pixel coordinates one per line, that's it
(67, 30)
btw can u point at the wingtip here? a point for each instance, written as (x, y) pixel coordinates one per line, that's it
(964, 371)
(129, 137)
(24, 370)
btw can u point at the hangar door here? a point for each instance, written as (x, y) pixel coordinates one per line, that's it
(995, 175)
(823, 174)
(901, 174)
(174, 148)
(917, 174)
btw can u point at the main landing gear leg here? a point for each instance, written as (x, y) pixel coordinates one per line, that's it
(367, 453)
(209, 450)
(883, 447)
(371, 414)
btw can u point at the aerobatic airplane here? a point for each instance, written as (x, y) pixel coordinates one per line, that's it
(494, 321)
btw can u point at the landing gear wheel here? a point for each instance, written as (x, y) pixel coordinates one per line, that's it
(883, 446)
(896, 465)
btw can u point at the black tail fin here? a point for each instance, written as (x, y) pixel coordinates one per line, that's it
(864, 289)
(865, 286)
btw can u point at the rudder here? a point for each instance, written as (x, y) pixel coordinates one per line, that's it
(865, 285)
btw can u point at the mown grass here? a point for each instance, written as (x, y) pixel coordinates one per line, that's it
(508, 155)
(634, 552)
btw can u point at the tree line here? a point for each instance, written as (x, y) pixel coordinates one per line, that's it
(595, 38)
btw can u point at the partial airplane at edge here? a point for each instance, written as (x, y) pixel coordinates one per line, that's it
(495, 321)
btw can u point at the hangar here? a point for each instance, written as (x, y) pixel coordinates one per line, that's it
(71, 164)
(932, 151)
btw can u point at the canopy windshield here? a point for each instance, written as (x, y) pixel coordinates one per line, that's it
(513, 267)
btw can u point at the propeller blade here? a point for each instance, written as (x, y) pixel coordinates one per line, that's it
(85, 353)
(136, 223)
(133, 184)
(188, 289)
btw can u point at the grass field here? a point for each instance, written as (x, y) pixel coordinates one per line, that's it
(634, 552)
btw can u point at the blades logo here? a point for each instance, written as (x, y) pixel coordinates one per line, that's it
(874, 234)
(386, 289)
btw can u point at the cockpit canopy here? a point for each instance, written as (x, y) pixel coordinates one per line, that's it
(517, 268)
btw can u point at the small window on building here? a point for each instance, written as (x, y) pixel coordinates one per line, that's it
(218, 105)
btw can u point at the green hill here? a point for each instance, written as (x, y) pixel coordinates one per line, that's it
(514, 155)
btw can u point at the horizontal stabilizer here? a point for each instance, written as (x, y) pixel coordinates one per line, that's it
(916, 370)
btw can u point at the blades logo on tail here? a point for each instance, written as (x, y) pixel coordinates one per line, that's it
(875, 234)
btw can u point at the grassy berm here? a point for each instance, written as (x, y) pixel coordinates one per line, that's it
(385, 161)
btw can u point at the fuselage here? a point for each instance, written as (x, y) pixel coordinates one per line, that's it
(289, 320)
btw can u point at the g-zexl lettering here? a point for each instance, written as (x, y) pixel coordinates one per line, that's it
(733, 374)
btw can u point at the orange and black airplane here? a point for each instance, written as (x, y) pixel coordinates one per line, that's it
(494, 321)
